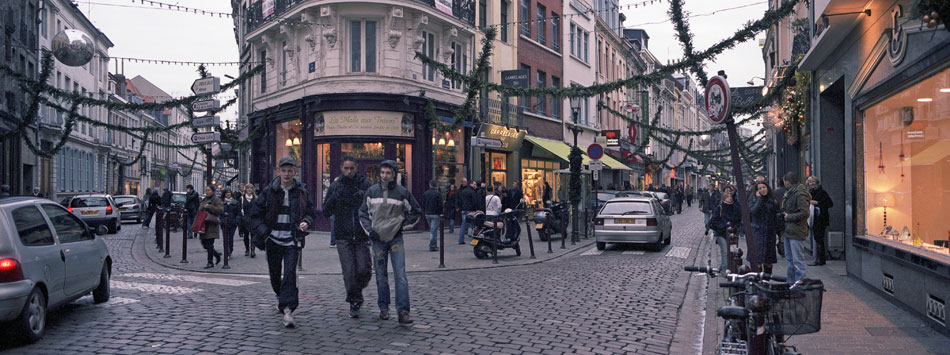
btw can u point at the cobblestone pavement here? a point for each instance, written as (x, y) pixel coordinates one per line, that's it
(623, 300)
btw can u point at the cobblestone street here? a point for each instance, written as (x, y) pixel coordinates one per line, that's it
(620, 300)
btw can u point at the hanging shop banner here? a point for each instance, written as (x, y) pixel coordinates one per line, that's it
(510, 138)
(444, 6)
(267, 8)
(613, 137)
(363, 123)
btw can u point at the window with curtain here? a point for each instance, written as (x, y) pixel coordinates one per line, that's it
(542, 82)
(363, 46)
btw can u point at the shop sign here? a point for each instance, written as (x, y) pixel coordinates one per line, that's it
(745, 96)
(897, 45)
(915, 134)
(613, 137)
(363, 123)
(518, 78)
(444, 6)
(267, 8)
(510, 138)
(486, 142)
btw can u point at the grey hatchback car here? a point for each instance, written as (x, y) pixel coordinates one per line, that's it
(48, 258)
(638, 220)
(130, 207)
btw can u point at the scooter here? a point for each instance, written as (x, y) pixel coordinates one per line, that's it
(483, 235)
(548, 221)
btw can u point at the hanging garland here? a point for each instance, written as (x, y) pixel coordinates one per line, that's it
(795, 106)
(575, 160)
(686, 39)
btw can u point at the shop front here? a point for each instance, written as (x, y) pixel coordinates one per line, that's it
(499, 157)
(549, 161)
(883, 107)
(318, 132)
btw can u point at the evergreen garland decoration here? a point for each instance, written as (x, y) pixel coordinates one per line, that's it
(686, 39)
(655, 127)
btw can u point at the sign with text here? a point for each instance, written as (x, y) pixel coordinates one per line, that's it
(510, 138)
(745, 95)
(363, 123)
(595, 165)
(486, 142)
(206, 105)
(602, 140)
(518, 77)
(205, 137)
(206, 86)
(613, 137)
(205, 121)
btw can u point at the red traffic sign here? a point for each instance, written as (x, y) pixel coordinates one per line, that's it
(595, 151)
(632, 132)
(631, 108)
(717, 99)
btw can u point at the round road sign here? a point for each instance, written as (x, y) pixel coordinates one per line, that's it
(595, 151)
(717, 99)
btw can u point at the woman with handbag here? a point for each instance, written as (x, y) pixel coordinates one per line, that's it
(232, 217)
(762, 211)
(213, 209)
(247, 199)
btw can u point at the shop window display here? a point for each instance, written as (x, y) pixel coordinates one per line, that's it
(907, 166)
(289, 140)
(534, 173)
(323, 163)
(496, 164)
(448, 157)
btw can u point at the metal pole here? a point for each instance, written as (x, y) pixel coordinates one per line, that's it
(494, 244)
(549, 242)
(159, 224)
(740, 188)
(184, 244)
(530, 242)
(574, 226)
(227, 248)
(441, 242)
(168, 237)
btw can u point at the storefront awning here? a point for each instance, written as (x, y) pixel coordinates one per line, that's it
(563, 151)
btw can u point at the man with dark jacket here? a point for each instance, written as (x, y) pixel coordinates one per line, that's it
(450, 207)
(343, 201)
(432, 207)
(822, 203)
(514, 195)
(279, 221)
(151, 201)
(191, 207)
(709, 200)
(466, 204)
(480, 194)
(388, 209)
(795, 212)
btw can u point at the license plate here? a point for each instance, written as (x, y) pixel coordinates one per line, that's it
(634, 221)
(89, 212)
(539, 226)
(124, 209)
(474, 242)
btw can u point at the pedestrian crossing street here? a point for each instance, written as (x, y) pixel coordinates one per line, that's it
(674, 252)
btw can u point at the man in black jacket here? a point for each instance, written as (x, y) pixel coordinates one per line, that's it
(279, 221)
(191, 207)
(342, 202)
(432, 207)
(514, 196)
(822, 203)
(466, 204)
(480, 194)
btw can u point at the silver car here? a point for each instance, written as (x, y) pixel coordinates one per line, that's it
(638, 220)
(130, 207)
(96, 210)
(48, 257)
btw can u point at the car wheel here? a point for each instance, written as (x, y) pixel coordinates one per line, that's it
(601, 245)
(32, 320)
(101, 293)
(118, 225)
(659, 244)
(669, 237)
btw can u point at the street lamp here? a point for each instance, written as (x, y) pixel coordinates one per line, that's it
(575, 112)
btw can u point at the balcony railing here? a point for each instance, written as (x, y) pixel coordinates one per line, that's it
(463, 10)
(503, 113)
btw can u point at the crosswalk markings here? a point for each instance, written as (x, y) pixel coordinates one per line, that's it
(191, 278)
(634, 252)
(592, 251)
(113, 301)
(678, 252)
(152, 288)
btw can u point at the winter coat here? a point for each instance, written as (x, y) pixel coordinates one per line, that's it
(824, 204)
(432, 202)
(154, 201)
(212, 205)
(167, 199)
(514, 198)
(192, 201)
(762, 212)
(480, 198)
(262, 218)
(546, 194)
(343, 201)
(722, 215)
(232, 212)
(246, 203)
(450, 206)
(795, 204)
(387, 210)
(466, 199)
(708, 201)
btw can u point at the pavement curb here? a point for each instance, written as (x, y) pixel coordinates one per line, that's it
(684, 331)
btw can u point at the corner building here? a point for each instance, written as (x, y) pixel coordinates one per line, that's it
(341, 78)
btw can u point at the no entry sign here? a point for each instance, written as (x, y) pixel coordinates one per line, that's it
(717, 99)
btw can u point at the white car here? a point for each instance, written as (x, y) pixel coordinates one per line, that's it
(638, 220)
(48, 258)
(97, 210)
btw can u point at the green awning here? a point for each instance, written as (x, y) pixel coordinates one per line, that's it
(563, 151)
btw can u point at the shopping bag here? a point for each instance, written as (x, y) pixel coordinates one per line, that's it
(199, 225)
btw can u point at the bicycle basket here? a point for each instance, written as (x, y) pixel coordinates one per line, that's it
(795, 311)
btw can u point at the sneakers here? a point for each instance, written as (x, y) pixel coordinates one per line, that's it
(404, 317)
(288, 318)
(354, 310)
(333, 245)
(384, 314)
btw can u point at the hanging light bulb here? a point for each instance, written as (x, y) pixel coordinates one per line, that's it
(289, 143)
(296, 141)
(433, 140)
(451, 142)
(441, 141)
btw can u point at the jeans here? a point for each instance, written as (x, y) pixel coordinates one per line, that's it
(463, 228)
(284, 287)
(451, 223)
(433, 220)
(723, 251)
(396, 250)
(357, 269)
(189, 220)
(707, 216)
(796, 265)
(148, 217)
(228, 237)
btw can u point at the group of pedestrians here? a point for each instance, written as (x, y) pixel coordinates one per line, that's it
(781, 221)
(477, 196)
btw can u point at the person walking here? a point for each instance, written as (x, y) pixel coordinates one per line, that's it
(342, 203)
(762, 212)
(232, 217)
(515, 195)
(677, 193)
(451, 206)
(466, 204)
(279, 220)
(246, 200)
(546, 195)
(708, 201)
(191, 207)
(149, 207)
(166, 198)
(213, 207)
(480, 196)
(795, 206)
(724, 216)
(388, 209)
(822, 203)
(432, 205)
(689, 197)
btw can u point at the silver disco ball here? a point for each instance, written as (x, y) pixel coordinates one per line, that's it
(704, 140)
(73, 48)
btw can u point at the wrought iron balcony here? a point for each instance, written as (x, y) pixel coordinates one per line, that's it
(503, 113)
(463, 10)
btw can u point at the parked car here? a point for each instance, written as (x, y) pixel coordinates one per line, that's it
(663, 198)
(178, 199)
(605, 195)
(96, 210)
(48, 258)
(637, 220)
(130, 207)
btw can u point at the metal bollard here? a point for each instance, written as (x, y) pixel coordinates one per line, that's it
(549, 243)
(494, 244)
(168, 238)
(564, 237)
(441, 242)
(530, 242)
(586, 222)
(159, 223)
(228, 245)
(574, 227)
(184, 245)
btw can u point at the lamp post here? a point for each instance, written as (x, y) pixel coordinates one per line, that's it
(575, 169)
